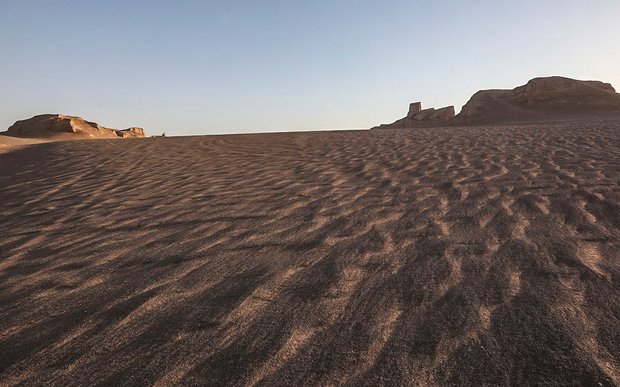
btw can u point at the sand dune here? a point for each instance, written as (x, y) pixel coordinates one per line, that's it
(431, 256)
(8, 144)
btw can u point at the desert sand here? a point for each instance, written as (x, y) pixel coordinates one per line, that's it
(436, 256)
(8, 143)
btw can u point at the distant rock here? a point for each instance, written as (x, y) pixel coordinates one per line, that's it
(131, 132)
(414, 108)
(542, 99)
(416, 117)
(58, 125)
(435, 115)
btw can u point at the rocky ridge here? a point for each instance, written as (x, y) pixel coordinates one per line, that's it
(423, 117)
(541, 99)
(59, 125)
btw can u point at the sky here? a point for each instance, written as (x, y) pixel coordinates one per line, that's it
(230, 66)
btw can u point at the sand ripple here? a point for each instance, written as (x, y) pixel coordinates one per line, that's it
(433, 256)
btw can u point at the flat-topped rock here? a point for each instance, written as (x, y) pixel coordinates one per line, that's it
(54, 125)
(435, 115)
(541, 99)
(132, 132)
(416, 117)
(414, 108)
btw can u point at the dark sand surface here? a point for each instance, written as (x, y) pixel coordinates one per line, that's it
(427, 256)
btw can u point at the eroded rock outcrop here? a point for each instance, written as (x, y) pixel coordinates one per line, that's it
(131, 132)
(414, 108)
(416, 117)
(542, 99)
(55, 125)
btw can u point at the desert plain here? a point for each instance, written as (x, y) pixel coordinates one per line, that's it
(435, 256)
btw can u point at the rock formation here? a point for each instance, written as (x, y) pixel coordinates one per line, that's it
(131, 132)
(416, 117)
(542, 99)
(414, 108)
(58, 125)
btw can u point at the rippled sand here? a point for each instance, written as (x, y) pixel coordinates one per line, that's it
(427, 256)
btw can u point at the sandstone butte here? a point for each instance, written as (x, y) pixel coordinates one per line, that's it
(541, 99)
(59, 126)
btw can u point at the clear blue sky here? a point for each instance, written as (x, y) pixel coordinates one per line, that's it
(200, 67)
